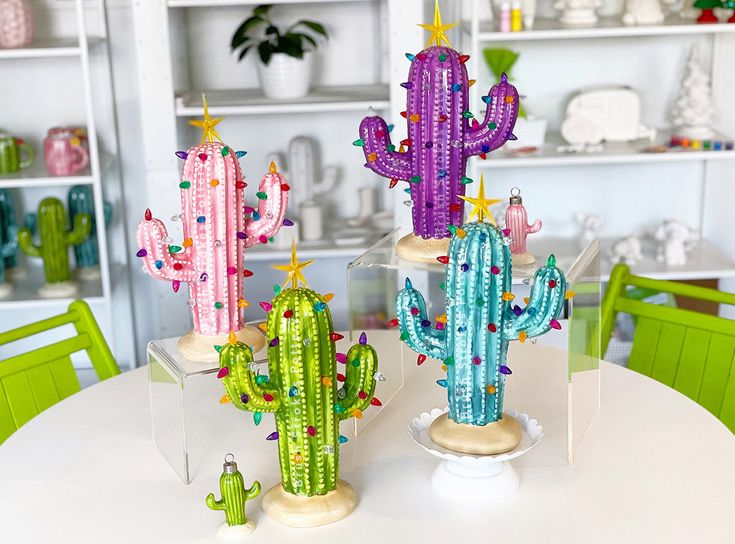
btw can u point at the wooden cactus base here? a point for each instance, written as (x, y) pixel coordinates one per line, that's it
(421, 250)
(198, 347)
(298, 511)
(523, 259)
(490, 439)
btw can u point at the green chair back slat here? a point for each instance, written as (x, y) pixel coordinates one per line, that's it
(34, 381)
(719, 367)
(693, 353)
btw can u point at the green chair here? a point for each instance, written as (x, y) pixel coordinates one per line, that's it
(693, 353)
(34, 381)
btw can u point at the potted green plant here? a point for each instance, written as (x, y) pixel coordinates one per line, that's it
(531, 131)
(286, 56)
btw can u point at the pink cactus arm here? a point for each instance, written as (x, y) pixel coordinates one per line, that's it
(500, 118)
(268, 219)
(377, 148)
(155, 251)
(530, 229)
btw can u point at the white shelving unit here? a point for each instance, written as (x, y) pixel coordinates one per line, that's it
(706, 174)
(87, 55)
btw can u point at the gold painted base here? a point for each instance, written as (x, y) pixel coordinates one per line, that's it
(198, 347)
(523, 259)
(420, 250)
(298, 511)
(490, 439)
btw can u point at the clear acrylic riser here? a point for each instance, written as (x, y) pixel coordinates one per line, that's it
(562, 394)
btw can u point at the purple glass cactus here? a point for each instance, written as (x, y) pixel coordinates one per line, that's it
(442, 134)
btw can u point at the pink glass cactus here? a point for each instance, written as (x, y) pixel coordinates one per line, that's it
(516, 221)
(16, 24)
(216, 233)
(442, 135)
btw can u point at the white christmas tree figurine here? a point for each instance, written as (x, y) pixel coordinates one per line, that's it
(693, 110)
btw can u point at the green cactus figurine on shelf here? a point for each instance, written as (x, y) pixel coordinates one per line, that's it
(51, 224)
(80, 199)
(234, 496)
(302, 392)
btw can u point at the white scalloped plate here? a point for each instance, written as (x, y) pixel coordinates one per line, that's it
(532, 433)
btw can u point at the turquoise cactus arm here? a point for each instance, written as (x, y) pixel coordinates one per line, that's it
(25, 240)
(253, 492)
(411, 310)
(241, 383)
(81, 230)
(359, 388)
(11, 246)
(544, 305)
(107, 211)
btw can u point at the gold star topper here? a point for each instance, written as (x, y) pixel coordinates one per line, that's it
(207, 125)
(294, 269)
(438, 30)
(481, 205)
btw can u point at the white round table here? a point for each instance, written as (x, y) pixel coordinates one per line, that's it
(654, 467)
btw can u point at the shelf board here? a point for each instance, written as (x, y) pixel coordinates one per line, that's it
(613, 153)
(50, 48)
(214, 3)
(36, 176)
(25, 293)
(607, 27)
(705, 261)
(252, 101)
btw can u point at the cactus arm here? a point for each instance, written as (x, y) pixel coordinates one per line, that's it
(271, 209)
(535, 227)
(151, 236)
(362, 363)
(253, 492)
(377, 146)
(215, 504)
(544, 305)
(500, 118)
(329, 180)
(240, 381)
(107, 213)
(11, 246)
(80, 231)
(426, 340)
(25, 241)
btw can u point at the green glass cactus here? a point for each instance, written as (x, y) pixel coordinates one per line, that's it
(233, 493)
(80, 199)
(302, 387)
(51, 224)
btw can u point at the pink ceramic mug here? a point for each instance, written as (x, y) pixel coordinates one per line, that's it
(63, 153)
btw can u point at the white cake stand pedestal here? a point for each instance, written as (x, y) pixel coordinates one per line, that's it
(474, 477)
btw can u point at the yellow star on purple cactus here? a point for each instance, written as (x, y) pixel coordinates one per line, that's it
(438, 30)
(294, 269)
(207, 124)
(481, 205)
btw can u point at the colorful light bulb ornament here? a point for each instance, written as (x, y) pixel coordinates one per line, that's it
(232, 502)
(516, 221)
(308, 397)
(442, 135)
(216, 233)
(481, 319)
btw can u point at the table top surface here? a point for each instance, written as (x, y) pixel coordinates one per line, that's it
(654, 467)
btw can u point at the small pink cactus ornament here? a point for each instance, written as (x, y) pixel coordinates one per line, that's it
(516, 221)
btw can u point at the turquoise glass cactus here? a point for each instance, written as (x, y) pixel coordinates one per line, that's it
(8, 227)
(480, 320)
(303, 390)
(80, 199)
(51, 224)
(233, 494)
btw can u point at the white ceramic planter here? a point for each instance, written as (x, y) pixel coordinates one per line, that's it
(286, 77)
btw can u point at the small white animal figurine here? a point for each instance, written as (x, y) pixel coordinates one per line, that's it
(676, 240)
(643, 12)
(589, 223)
(578, 12)
(627, 250)
(611, 113)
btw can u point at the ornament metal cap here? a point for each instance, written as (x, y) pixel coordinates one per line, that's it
(515, 196)
(229, 467)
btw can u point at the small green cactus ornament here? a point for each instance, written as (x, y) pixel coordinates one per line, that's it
(234, 496)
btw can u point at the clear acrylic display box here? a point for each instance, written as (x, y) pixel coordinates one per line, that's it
(178, 390)
(562, 393)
